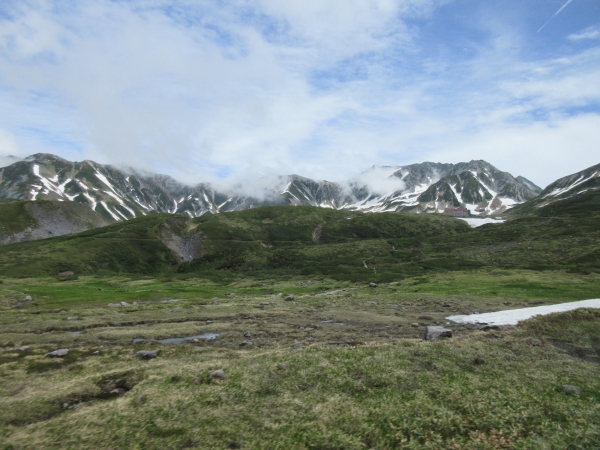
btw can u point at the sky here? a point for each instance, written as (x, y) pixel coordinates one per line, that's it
(227, 91)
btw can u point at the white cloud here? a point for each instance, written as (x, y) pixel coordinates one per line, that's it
(592, 32)
(8, 144)
(202, 90)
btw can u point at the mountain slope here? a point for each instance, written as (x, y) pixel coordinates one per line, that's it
(121, 195)
(308, 239)
(313, 241)
(569, 187)
(25, 221)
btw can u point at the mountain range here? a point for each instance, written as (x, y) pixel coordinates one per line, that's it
(119, 194)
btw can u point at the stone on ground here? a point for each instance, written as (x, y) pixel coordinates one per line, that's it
(147, 354)
(435, 332)
(58, 353)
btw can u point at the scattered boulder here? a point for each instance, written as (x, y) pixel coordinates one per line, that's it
(536, 342)
(298, 346)
(124, 304)
(290, 298)
(217, 374)
(28, 298)
(114, 305)
(247, 334)
(147, 354)
(265, 303)
(245, 343)
(139, 340)
(73, 318)
(571, 390)
(372, 285)
(23, 348)
(66, 273)
(118, 391)
(140, 399)
(414, 325)
(60, 353)
(435, 332)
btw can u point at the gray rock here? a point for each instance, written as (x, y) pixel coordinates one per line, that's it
(571, 390)
(114, 305)
(138, 340)
(58, 353)
(373, 285)
(147, 354)
(217, 374)
(245, 343)
(435, 332)
(73, 318)
(124, 304)
(247, 334)
(298, 346)
(28, 298)
(23, 348)
(414, 325)
(536, 342)
(290, 298)
(265, 303)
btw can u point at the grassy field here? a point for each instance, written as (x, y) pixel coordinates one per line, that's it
(340, 367)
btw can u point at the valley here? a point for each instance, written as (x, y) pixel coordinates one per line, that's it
(301, 327)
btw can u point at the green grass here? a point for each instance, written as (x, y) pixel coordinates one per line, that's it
(14, 218)
(340, 367)
(370, 384)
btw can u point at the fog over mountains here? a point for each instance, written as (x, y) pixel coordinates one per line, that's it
(120, 194)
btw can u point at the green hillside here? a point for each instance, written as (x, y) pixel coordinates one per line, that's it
(282, 241)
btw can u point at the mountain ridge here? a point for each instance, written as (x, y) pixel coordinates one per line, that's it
(121, 194)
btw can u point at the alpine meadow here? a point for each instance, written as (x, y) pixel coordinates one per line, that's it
(318, 225)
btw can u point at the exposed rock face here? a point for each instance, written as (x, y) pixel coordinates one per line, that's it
(186, 245)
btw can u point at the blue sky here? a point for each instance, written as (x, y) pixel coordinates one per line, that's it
(232, 91)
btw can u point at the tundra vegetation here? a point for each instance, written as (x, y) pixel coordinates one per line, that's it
(312, 355)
